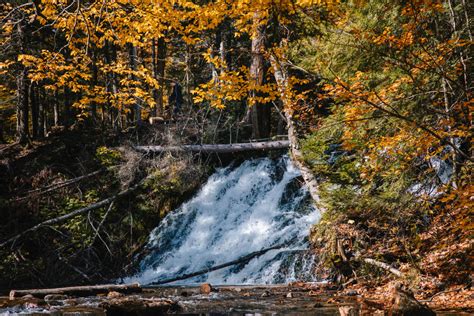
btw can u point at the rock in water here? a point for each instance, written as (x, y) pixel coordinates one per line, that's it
(114, 294)
(348, 311)
(139, 306)
(55, 299)
(206, 288)
(404, 303)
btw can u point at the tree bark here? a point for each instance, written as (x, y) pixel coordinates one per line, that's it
(34, 110)
(94, 81)
(159, 63)
(110, 56)
(136, 114)
(281, 77)
(67, 116)
(41, 98)
(384, 266)
(2, 139)
(260, 112)
(217, 148)
(56, 109)
(22, 90)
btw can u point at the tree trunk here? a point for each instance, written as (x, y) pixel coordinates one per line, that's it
(41, 98)
(281, 77)
(2, 139)
(112, 85)
(188, 76)
(260, 112)
(22, 90)
(216, 48)
(154, 62)
(136, 114)
(93, 84)
(159, 64)
(56, 109)
(22, 107)
(67, 117)
(34, 110)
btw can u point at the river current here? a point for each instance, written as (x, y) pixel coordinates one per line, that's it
(242, 209)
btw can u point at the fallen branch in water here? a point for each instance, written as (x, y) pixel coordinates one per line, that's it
(243, 259)
(85, 290)
(83, 210)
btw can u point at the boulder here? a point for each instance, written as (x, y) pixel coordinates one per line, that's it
(114, 294)
(205, 288)
(139, 306)
(55, 299)
(348, 311)
(404, 303)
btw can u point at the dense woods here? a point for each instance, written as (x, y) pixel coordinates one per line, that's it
(374, 97)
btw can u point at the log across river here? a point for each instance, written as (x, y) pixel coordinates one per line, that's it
(218, 148)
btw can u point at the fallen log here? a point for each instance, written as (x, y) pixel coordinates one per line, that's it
(217, 148)
(86, 290)
(384, 266)
(243, 259)
(83, 210)
(56, 186)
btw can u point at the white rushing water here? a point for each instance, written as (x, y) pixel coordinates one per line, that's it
(243, 209)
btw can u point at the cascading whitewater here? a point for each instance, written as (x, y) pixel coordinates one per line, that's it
(243, 209)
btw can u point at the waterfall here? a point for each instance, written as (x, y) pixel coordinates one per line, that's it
(242, 209)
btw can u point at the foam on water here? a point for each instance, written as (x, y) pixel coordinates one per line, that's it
(254, 206)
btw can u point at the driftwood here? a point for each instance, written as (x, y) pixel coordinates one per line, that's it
(243, 259)
(217, 148)
(83, 210)
(79, 290)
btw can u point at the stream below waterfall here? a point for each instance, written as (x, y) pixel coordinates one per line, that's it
(256, 205)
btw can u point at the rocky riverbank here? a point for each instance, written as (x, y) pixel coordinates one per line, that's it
(291, 299)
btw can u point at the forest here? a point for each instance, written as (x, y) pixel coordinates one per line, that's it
(342, 129)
